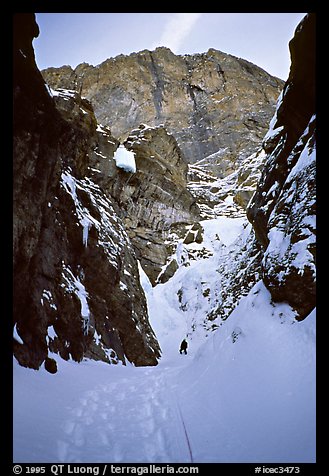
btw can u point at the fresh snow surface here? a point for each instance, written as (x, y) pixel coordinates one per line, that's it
(125, 159)
(245, 393)
(227, 229)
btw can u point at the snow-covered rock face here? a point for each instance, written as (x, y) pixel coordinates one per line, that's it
(227, 194)
(76, 280)
(282, 210)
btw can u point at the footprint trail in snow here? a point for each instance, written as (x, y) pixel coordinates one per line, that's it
(131, 420)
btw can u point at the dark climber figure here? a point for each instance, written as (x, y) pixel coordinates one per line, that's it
(183, 347)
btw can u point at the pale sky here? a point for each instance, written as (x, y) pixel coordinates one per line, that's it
(74, 38)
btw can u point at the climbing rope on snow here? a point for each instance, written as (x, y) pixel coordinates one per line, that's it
(175, 401)
(185, 432)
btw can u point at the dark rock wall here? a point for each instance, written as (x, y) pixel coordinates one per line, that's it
(76, 281)
(37, 126)
(282, 209)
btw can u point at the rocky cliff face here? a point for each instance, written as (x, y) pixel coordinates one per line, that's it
(156, 200)
(280, 248)
(191, 129)
(152, 197)
(212, 103)
(76, 279)
(282, 210)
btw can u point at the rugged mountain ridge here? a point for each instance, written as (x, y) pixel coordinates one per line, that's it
(212, 103)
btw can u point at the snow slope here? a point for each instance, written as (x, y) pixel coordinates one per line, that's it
(245, 393)
(196, 290)
(250, 391)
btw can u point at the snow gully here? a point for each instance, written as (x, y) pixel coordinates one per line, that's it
(57, 469)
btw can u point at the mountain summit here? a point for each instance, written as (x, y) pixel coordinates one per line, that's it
(208, 102)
